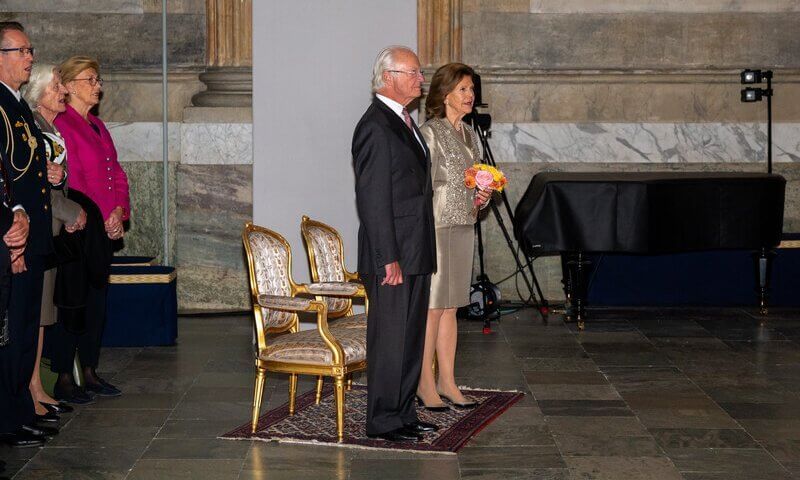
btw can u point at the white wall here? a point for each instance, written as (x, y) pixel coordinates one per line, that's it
(312, 66)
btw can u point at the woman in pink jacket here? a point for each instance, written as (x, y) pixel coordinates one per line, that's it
(95, 172)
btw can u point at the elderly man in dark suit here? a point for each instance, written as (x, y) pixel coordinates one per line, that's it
(25, 170)
(396, 244)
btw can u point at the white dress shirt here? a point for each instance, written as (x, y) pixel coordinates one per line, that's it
(398, 109)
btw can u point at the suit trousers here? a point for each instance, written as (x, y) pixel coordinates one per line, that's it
(60, 344)
(395, 340)
(17, 359)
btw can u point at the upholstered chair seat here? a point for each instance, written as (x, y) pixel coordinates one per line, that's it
(308, 347)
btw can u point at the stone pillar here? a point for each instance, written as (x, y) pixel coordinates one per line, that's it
(438, 32)
(229, 55)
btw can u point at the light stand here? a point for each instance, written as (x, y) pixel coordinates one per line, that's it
(482, 124)
(754, 94)
(763, 257)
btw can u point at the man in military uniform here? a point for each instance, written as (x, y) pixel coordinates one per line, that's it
(25, 171)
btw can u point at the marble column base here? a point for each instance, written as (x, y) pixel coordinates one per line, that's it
(226, 87)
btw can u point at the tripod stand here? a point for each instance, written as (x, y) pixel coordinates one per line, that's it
(483, 284)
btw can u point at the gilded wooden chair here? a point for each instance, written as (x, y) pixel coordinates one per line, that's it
(326, 261)
(281, 346)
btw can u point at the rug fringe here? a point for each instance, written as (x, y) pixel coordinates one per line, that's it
(466, 387)
(338, 445)
(481, 389)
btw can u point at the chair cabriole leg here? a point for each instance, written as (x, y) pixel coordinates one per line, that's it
(257, 395)
(340, 407)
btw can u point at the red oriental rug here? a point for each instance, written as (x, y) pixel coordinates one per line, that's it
(316, 424)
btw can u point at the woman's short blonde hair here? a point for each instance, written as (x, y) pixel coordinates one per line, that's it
(41, 76)
(73, 66)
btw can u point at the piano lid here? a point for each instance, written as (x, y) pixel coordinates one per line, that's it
(650, 212)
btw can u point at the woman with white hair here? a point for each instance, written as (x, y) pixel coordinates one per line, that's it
(46, 96)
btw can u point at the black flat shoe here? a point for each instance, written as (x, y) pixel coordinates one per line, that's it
(48, 417)
(21, 439)
(421, 427)
(463, 406)
(57, 408)
(433, 408)
(398, 435)
(103, 389)
(40, 431)
(74, 395)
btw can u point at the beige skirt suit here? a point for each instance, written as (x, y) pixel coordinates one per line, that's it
(452, 152)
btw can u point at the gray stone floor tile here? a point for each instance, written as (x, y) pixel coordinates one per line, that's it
(196, 448)
(703, 438)
(424, 468)
(604, 445)
(611, 426)
(618, 468)
(181, 469)
(511, 457)
(515, 474)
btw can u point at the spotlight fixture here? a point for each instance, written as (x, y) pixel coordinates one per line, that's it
(756, 94)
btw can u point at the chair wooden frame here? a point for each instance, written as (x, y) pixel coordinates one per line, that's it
(338, 368)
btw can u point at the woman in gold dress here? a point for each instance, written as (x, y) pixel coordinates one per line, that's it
(454, 147)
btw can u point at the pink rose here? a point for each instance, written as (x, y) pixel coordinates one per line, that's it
(484, 179)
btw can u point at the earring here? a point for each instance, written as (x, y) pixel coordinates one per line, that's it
(73, 92)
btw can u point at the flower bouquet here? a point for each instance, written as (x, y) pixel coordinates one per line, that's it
(484, 177)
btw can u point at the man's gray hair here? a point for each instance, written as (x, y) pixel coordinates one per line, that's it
(41, 76)
(384, 62)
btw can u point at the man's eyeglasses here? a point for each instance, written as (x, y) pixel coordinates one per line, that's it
(413, 73)
(22, 50)
(92, 80)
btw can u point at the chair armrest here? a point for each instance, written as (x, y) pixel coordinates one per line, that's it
(343, 289)
(291, 304)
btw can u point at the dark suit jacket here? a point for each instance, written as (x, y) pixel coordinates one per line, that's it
(27, 170)
(393, 195)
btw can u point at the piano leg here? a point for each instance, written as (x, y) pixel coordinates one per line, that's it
(575, 287)
(763, 260)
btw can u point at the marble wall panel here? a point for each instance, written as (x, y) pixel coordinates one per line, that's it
(143, 141)
(519, 6)
(643, 142)
(146, 230)
(116, 40)
(498, 257)
(78, 6)
(630, 41)
(214, 202)
(657, 6)
(175, 6)
(217, 143)
(135, 96)
(631, 97)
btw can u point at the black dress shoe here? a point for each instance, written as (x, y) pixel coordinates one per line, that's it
(421, 427)
(74, 394)
(463, 406)
(40, 431)
(103, 389)
(48, 417)
(22, 439)
(57, 408)
(398, 435)
(433, 408)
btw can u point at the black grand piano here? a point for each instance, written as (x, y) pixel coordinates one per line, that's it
(648, 213)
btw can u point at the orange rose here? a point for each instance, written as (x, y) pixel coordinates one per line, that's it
(469, 182)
